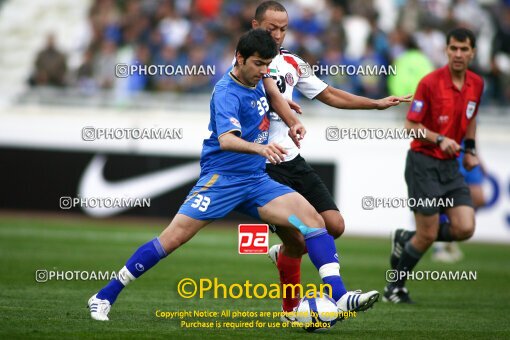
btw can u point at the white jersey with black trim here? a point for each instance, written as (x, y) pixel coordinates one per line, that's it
(290, 71)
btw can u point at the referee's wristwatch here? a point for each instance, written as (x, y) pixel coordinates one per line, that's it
(439, 139)
(471, 152)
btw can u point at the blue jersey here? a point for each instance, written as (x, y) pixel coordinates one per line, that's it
(242, 110)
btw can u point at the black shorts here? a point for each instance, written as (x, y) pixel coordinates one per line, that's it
(301, 177)
(431, 178)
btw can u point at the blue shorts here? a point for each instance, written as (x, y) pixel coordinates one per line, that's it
(473, 177)
(214, 196)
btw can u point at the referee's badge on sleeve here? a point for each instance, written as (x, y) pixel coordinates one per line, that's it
(471, 107)
(417, 106)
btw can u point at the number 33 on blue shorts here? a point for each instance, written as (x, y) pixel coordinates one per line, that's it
(214, 195)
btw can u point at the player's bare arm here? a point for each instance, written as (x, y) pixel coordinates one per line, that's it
(345, 100)
(470, 158)
(296, 130)
(447, 145)
(272, 151)
(295, 106)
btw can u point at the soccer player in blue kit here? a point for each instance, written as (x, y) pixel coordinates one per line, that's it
(233, 178)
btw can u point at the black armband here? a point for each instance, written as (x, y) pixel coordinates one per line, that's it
(469, 144)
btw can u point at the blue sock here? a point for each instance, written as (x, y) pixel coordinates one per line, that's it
(322, 253)
(111, 291)
(141, 261)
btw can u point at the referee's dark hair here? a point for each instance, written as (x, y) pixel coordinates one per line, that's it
(257, 41)
(461, 34)
(266, 6)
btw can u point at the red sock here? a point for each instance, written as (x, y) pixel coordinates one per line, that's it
(290, 273)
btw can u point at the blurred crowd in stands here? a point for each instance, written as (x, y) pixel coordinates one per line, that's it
(406, 33)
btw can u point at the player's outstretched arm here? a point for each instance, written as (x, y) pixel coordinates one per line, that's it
(272, 151)
(281, 107)
(295, 106)
(345, 100)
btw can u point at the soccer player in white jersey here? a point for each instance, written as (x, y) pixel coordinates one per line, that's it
(287, 70)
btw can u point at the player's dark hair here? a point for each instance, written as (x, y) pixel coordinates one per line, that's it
(461, 34)
(257, 41)
(268, 6)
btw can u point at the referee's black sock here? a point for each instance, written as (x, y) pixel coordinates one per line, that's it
(444, 234)
(408, 260)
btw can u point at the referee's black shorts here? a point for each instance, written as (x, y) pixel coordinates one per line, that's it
(301, 177)
(428, 178)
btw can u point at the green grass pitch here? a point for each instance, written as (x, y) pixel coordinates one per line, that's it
(444, 309)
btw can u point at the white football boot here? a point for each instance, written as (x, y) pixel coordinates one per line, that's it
(356, 301)
(446, 252)
(99, 309)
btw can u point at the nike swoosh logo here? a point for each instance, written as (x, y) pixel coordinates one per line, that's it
(93, 184)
